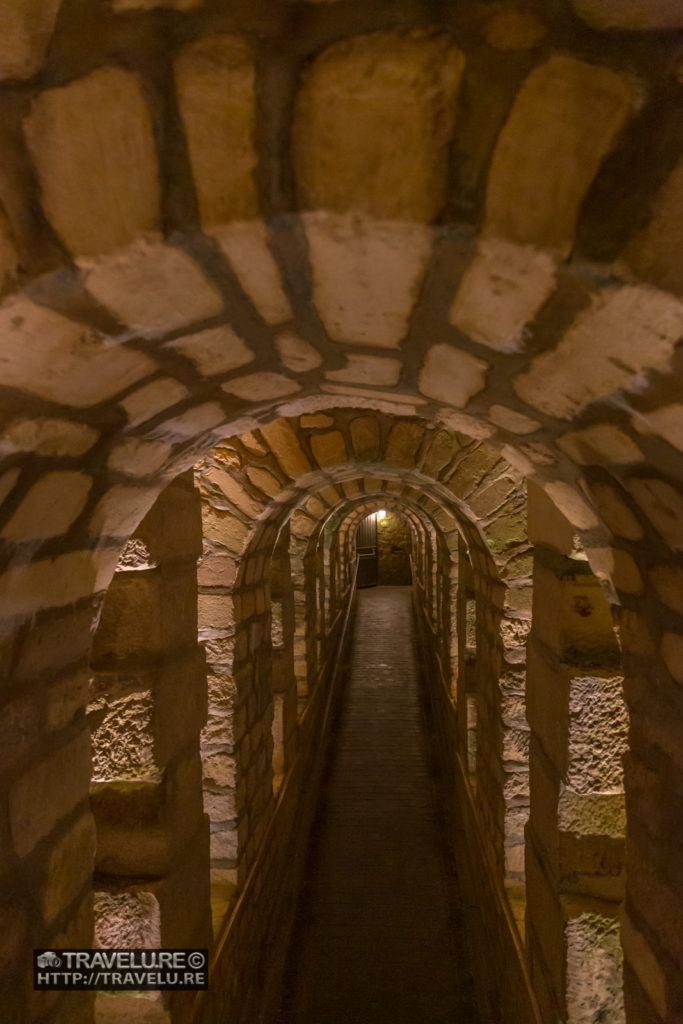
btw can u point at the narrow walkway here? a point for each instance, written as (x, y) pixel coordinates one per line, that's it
(375, 939)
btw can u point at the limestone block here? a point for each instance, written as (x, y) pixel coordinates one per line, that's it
(216, 571)
(47, 436)
(136, 456)
(316, 419)
(594, 814)
(600, 445)
(630, 15)
(54, 582)
(264, 480)
(246, 246)
(663, 506)
(233, 491)
(501, 292)
(69, 867)
(565, 119)
(373, 122)
(403, 444)
(598, 733)
(225, 529)
(25, 31)
(595, 988)
(297, 354)
(127, 920)
(215, 85)
(666, 422)
(145, 402)
(50, 507)
(451, 375)
(285, 446)
(259, 387)
(570, 503)
(614, 512)
(547, 525)
(366, 276)
(510, 419)
(48, 791)
(180, 709)
(329, 449)
(374, 370)
(213, 351)
(123, 849)
(152, 287)
(93, 148)
(80, 367)
(642, 960)
(393, 404)
(626, 332)
(199, 420)
(121, 738)
(130, 623)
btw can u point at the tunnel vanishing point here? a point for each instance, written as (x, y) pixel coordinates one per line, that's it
(269, 267)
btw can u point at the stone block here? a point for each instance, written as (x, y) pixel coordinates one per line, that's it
(48, 791)
(451, 375)
(260, 387)
(215, 85)
(69, 867)
(594, 970)
(284, 444)
(366, 276)
(329, 449)
(131, 851)
(600, 445)
(630, 15)
(373, 121)
(565, 119)
(93, 147)
(501, 292)
(50, 507)
(130, 625)
(54, 582)
(614, 512)
(25, 31)
(214, 351)
(297, 354)
(47, 436)
(224, 529)
(152, 287)
(122, 745)
(625, 332)
(663, 506)
(84, 367)
(246, 246)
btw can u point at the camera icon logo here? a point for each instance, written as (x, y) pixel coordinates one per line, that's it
(48, 959)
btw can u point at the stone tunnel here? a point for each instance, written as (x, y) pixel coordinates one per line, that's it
(269, 269)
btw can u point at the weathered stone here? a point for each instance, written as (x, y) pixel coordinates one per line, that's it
(122, 739)
(501, 292)
(152, 287)
(571, 504)
(668, 582)
(246, 246)
(372, 125)
(25, 30)
(601, 445)
(47, 791)
(259, 387)
(69, 867)
(565, 119)
(625, 332)
(50, 507)
(82, 367)
(594, 969)
(138, 457)
(233, 491)
(55, 582)
(93, 148)
(127, 920)
(285, 446)
(200, 420)
(662, 505)
(366, 276)
(329, 449)
(666, 422)
(48, 437)
(651, 252)
(374, 370)
(213, 351)
(510, 419)
(451, 375)
(615, 514)
(147, 401)
(403, 443)
(297, 354)
(264, 480)
(215, 83)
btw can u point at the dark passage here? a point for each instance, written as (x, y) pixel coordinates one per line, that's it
(376, 937)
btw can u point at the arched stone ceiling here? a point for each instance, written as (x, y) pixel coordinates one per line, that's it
(192, 246)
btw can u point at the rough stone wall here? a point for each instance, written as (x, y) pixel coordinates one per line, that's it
(393, 552)
(147, 707)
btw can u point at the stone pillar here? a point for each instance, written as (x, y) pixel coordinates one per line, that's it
(575, 836)
(148, 705)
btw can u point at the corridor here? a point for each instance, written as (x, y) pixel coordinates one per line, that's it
(377, 936)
